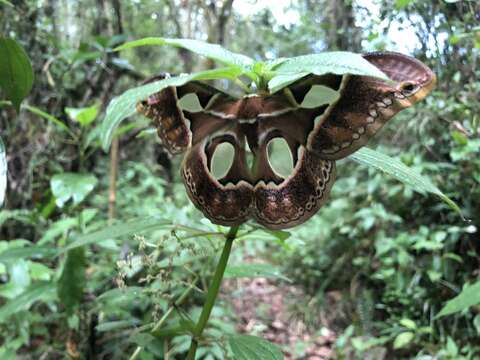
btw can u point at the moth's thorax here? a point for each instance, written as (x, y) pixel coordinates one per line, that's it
(250, 107)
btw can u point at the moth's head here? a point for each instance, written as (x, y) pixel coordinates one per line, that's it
(143, 108)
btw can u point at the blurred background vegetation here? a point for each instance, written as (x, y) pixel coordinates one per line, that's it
(375, 265)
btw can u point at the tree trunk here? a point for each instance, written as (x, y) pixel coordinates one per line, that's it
(342, 33)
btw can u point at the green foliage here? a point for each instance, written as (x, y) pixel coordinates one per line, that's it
(72, 279)
(468, 297)
(73, 186)
(408, 265)
(401, 172)
(16, 73)
(212, 51)
(278, 74)
(5, 2)
(111, 232)
(84, 116)
(393, 262)
(336, 62)
(319, 95)
(41, 291)
(3, 172)
(403, 339)
(48, 117)
(26, 252)
(124, 105)
(245, 347)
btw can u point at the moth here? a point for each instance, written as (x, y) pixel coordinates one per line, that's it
(316, 136)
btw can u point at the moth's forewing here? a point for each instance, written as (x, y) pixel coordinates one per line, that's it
(367, 103)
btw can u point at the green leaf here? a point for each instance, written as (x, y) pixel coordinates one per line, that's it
(72, 281)
(3, 172)
(278, 82)
(212, 51)
(175, 330)
(128, 293)
(84, 116)
(336, 62)
(281, 235)
(16, 73)
(115, 325)
(71, 185)
(403, 339)
(16, 253)
(190, 103)
(246, 347)
(319, 95)
(19, 279)
(35, 292)
(49, 117)
(142, 339)
(5, 2)
(400, 4)
(408, 323)
(401, 172)
(254, 270)
(476, 323)
(280, 157)
(39, 271)
(114, 231)
(124, 105)
(468, 297)
(452, 348)
(222, 160)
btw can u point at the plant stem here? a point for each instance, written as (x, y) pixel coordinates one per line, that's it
(212, 292)
(179, 301)
(112, 191)
(165, 316)
(241, 84)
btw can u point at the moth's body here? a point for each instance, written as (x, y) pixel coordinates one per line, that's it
(315, 136)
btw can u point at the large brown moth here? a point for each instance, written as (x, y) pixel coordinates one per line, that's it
(316, 137)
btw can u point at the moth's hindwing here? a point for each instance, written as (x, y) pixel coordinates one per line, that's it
(226, 204)
(299, 197)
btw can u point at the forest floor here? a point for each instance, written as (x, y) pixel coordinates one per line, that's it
(269, 308)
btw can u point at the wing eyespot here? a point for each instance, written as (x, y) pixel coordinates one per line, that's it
(409, 88)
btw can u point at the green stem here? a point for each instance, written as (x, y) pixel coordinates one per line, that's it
(165, 316)
(179, 301)
(262, 86)
(244, 87)
(212, 292)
